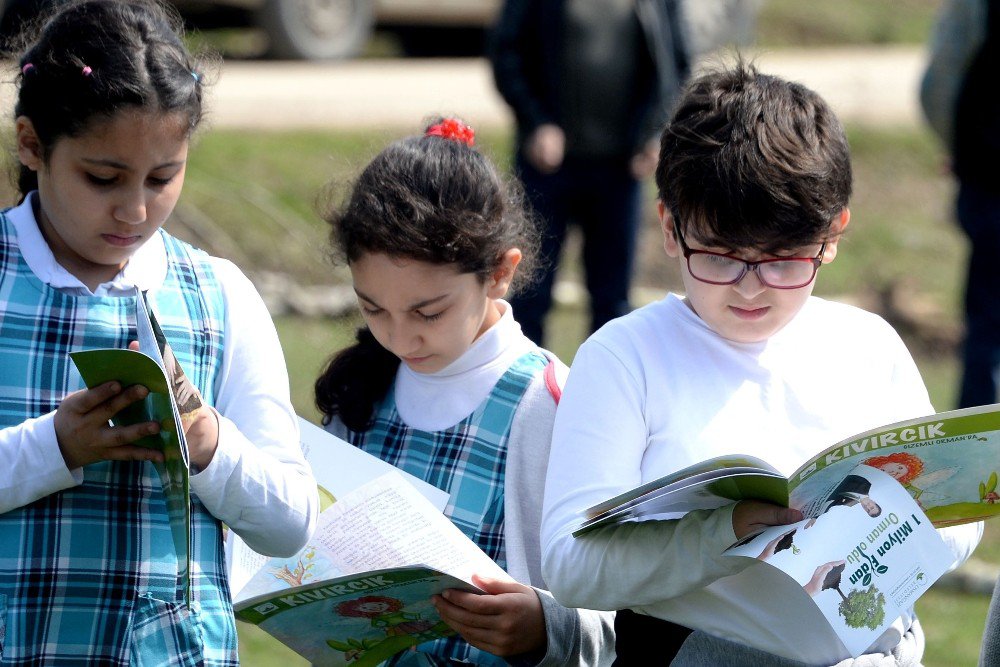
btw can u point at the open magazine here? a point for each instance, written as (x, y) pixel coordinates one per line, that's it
(155, 367)
(360, 591)
(867, 548)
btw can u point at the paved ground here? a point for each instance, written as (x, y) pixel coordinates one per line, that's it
(868, 84)
(863, 84)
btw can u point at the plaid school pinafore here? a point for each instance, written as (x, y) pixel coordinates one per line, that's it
(468, 461)
(88, 575)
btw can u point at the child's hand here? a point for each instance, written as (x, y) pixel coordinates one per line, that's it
(751, 516)
(507, 621)
(201, 430)
(85, 435)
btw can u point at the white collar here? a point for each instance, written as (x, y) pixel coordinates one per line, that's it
(146, 268)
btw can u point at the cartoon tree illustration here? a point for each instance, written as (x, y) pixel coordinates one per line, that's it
(863, 607)
(988, 489)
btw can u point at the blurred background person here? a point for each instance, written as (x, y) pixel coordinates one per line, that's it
(958, 96)
(590, 85)
(990, 651)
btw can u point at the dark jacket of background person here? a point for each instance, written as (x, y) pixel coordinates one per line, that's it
(959, 99)
(977, 113)
(591, 88)
(526, 51)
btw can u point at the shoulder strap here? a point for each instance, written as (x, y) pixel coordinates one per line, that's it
(550, 381)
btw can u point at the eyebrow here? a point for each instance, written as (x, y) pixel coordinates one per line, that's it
(114, 164)
(415, 306)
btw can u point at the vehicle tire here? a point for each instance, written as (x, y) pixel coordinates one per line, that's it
(316, 29)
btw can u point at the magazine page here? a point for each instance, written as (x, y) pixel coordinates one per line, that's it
(358, 620)
(145, 367)
(385, 523)
(948, 462)
(360, 591)
(708, 490)
(338, 467)
(705, 470)
(865, 554)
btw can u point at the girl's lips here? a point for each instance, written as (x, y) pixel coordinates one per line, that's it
(416, 360)
(749, 313)
(120, 241)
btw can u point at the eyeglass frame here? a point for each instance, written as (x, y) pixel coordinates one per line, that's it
(748, 266)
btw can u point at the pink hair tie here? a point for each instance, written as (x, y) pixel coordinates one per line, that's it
(27, 68)
(86, 70)
(454, 129)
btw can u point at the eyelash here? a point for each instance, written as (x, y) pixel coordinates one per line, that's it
(97, 180)
(374, 312)
(104, 182)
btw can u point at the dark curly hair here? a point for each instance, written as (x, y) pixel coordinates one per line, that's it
(429, 199)
(750, 160)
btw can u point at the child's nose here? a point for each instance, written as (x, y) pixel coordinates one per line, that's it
(131, 208)
(404, 339)
(750, 285)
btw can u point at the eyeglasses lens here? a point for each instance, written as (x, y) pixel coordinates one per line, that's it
(725, 270)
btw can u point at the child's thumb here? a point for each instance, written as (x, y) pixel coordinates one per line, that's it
(495, 586)
(787, 515)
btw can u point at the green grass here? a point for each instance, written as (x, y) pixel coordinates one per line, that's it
(838, 22)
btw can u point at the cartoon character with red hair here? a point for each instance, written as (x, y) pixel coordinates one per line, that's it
(908, 470)
(385, 613)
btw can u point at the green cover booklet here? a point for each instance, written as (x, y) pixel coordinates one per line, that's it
(146, 367)
(867, 548)
(360, 591)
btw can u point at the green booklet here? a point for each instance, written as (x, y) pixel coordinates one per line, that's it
(867, 548)
(947, 461)
(360, 591)
(358, 620)
(154, 367)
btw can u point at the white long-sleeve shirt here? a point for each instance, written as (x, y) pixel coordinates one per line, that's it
(258, 482)
(658, 390)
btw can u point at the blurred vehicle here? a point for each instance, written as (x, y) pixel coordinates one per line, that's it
(324, 29)
(330, 29)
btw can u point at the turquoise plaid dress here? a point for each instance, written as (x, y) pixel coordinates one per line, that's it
(88, 576)
(468, 461)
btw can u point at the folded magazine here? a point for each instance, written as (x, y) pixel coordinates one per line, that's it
(360, 591)
(154, 367)
(867, 548)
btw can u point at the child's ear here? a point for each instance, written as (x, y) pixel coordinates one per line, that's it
(29, 147)
(499, 282)
(670, 244)
(837, 227)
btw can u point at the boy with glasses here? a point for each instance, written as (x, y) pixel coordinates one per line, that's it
(754, 178)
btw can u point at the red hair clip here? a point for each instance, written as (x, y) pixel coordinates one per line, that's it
(454, 129)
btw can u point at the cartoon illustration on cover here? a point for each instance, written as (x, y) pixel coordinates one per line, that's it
(402, 628)
(908, 470)
(944, 474)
